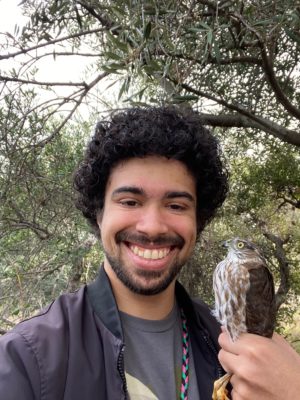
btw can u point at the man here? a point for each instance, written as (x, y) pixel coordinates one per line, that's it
(151, 180)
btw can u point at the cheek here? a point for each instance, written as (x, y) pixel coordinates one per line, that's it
(191, 233)
(113, 221)
(187, 229)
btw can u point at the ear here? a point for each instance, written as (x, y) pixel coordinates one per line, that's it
(99, 218)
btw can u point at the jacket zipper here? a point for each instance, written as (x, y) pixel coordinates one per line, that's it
(120, 363)
(120, 366)
(212, 347)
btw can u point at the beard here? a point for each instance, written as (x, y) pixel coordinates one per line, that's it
(155, 281)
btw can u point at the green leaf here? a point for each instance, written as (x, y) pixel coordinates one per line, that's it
(138, 94)
(292, 35)
(185, 98)
(217, 53)
(147, 30)
(106, 68)
(263, 22)
(17, 30)
(138, 103)
(147, 69)
(154, 65)
(116, 65)
(204, 25)
(46, 37)
(194, 30)
(112, 56)
(113, 67)
(118, 12)
(209, 37)
(124, 88)
(120, 45)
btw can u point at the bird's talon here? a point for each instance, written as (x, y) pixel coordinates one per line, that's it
(220, 392)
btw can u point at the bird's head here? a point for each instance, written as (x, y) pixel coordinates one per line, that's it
(245, 251)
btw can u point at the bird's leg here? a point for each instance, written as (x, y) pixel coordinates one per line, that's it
(220, 392)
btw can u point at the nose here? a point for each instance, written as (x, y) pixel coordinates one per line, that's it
(152, 222)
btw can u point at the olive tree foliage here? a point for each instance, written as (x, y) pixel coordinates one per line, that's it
(237, 59)
(236, 62)
(45, 248)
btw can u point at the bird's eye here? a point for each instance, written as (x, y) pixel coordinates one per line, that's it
(240, 245)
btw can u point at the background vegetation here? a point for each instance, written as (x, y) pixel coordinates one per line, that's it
(236, 62)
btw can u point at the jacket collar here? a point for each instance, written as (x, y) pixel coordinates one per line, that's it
(104, 304)
(204, 329)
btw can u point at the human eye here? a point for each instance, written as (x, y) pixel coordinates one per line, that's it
(129, 203)
(177, 207)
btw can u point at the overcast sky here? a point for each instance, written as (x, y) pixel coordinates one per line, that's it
(10, 15)
(61, 69)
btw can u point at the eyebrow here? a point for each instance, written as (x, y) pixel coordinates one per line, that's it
(139, 191)
(176, 194)
(128, 189)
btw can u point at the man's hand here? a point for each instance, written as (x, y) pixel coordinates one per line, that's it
(262, 368)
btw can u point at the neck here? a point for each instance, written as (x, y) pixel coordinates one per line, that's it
(154, 307)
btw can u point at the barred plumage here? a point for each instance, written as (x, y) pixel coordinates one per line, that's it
(244, 295)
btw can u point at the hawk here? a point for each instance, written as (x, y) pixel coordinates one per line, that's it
(244, 297)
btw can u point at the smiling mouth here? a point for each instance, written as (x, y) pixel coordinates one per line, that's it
(149, 254)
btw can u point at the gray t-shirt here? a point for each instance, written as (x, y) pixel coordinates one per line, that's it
(153, 358)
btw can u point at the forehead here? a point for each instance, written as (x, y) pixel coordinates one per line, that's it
(153, 174)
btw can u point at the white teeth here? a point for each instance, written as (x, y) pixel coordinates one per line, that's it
(160, 254)
(153, 254)
(147, 254)
(140, 252)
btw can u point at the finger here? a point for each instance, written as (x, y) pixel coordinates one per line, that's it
(245, 341)
(226, 343)
(228, 361)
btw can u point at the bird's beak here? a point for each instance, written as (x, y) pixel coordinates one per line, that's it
(225, 244)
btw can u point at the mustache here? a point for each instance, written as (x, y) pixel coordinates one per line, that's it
(160, 240)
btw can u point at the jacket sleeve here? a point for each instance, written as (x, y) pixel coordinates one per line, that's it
(19, 372)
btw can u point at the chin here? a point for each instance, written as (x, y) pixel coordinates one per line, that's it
(148, 283)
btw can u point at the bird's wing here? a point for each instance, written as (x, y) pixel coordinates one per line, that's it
(260, 302)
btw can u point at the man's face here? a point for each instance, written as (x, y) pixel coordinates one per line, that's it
(148, 223)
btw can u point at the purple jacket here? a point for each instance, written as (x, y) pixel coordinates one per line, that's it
(74, 349)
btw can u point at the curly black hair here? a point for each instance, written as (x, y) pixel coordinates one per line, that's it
(161, 131)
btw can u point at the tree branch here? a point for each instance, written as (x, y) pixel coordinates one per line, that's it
(240, 121)
(289, 136)
(269, 70)
(68, 53)
(50, 42)
(236, 60)
(42, 233)
(213, 60)
(280, 96)
(293, 203)
(284, 270)
(78, 101)
(34, 82)
(280, 256)
(91, 10)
